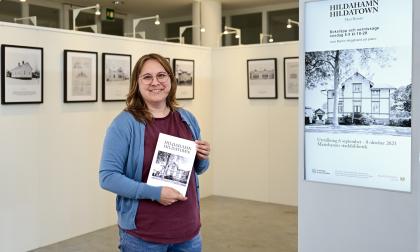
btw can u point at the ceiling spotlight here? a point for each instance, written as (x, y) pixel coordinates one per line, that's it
(138, 20)
(23, 1)
(116, 2)
(97, 12)
(203, 29)
(290, 22)
(237, 36)
(157, 22)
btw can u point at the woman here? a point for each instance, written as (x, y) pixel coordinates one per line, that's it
(152, 218)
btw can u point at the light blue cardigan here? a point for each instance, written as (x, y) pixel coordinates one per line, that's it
(122, 164)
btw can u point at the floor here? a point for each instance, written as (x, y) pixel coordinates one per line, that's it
(227, 225)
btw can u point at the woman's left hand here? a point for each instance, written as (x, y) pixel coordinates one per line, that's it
(203, 149)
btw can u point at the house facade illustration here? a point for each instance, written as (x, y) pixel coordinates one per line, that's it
(22, 71)
(261, 74)
(358, 94)
(170, 170)
(184, 77)
(117, 74)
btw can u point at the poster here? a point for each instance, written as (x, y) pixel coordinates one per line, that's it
(358, 93)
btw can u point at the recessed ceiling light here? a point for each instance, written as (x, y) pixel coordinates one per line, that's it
(118, 2)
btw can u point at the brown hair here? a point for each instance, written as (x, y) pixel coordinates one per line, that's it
(135, 102)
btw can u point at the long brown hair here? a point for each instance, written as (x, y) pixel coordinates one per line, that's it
(135, 102)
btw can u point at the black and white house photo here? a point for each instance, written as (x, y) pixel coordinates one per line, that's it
(169, 165)
(80, 76)
(262, 78)
(358, 87)
(116, 71)
(184, 74)
(358, 105)
(22, 81)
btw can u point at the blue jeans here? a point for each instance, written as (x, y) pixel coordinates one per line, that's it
(129, 243)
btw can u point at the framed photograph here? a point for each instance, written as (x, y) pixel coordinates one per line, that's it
(291, 77)
(262, 78)
(184, 74)
(80, 76)
(22, 78)
(116, 76)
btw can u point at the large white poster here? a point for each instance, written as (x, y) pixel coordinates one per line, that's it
(358, 92)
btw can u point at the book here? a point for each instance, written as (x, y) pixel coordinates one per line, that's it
(172, 163)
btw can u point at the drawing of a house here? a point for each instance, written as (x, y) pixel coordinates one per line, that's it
(116, 74)
(261, 74)
(319, 113)
(184, 77)
(172, 171)
(358, 94)
(22, 71)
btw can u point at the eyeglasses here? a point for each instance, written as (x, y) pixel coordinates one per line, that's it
(148, 78)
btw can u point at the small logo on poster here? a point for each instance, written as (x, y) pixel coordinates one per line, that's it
(354, 8)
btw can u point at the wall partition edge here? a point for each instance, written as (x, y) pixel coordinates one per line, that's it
(416, 116)
(345, 218)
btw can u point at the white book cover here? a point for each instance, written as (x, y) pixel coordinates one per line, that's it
(172, 163)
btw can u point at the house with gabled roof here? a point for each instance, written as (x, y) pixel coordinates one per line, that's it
(359, 94)
(22, 71)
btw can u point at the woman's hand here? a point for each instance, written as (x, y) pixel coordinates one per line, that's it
(169, 196)
(203, 149)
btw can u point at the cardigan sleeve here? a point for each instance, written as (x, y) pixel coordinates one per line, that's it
(112, 171)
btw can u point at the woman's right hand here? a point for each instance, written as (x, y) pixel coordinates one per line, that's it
(169, 196)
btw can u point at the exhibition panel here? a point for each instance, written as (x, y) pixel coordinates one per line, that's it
(358, 93)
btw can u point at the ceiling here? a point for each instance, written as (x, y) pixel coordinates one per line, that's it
(169, 8)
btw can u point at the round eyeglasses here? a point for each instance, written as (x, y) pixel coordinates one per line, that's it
(148, 78)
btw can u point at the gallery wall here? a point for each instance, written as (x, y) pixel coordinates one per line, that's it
(347, 218)
(50, 152)
(255, 154)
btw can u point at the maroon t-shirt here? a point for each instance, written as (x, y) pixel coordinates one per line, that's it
(180, 221)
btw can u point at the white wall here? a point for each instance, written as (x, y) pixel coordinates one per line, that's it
(347, 219)
(50, 152)
(255, 149)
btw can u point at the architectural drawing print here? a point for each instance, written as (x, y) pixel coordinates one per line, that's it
(22, 78)
(262, 78)
(81, 76)
(184, 73)
(116, 70)
(23, 71)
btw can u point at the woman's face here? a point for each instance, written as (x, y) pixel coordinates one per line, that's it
(154, 83)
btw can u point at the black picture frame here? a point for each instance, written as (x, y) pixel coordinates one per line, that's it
(262, 78)
(291, 77)
(116, 76)
(22, 81)
(80, 76)
(184, 75)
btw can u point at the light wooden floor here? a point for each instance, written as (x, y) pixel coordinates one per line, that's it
(228, 224)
